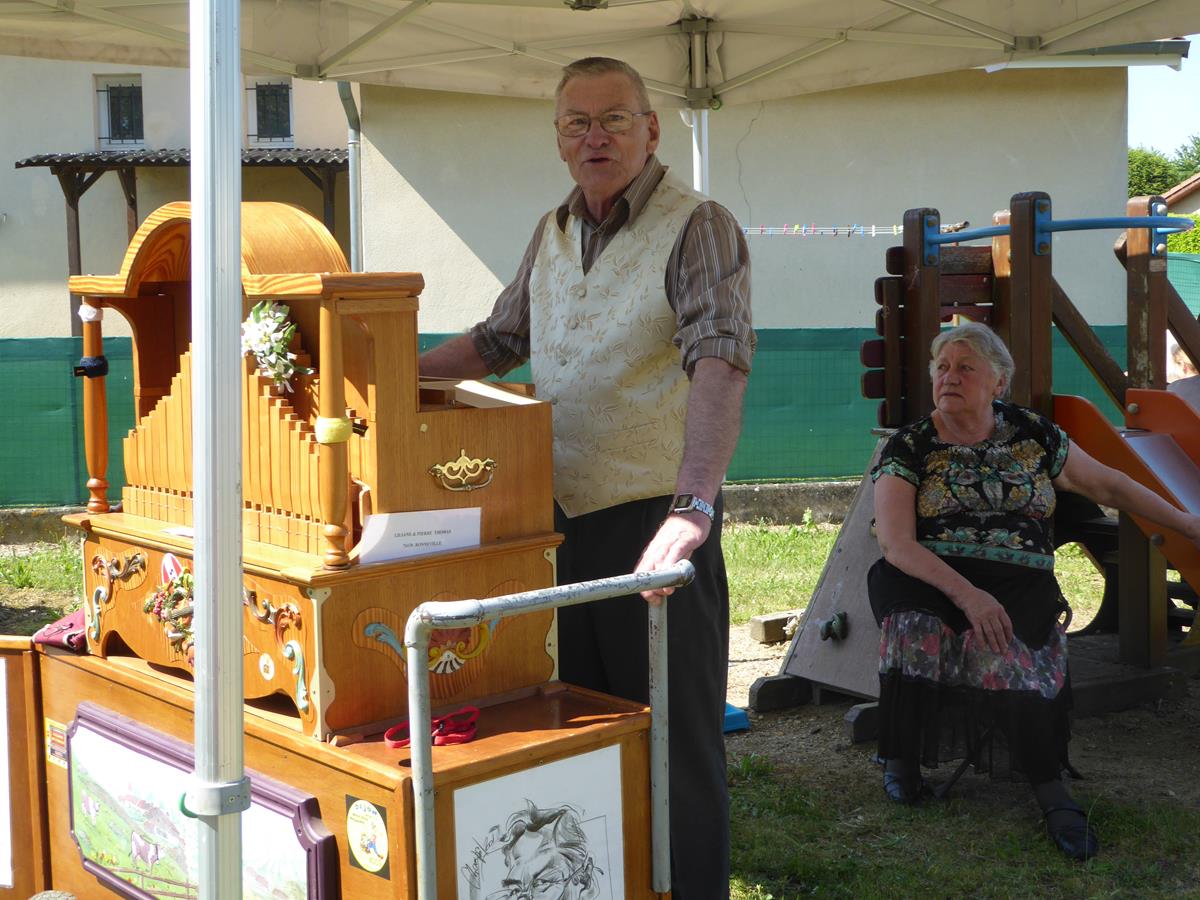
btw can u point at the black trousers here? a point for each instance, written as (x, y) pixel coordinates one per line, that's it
(603, 646)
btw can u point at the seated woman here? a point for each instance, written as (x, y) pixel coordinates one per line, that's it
(972, 616)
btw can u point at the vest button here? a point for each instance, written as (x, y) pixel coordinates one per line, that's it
(579, 290)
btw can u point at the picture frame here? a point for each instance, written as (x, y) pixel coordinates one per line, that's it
(126, 786)
(554, 827)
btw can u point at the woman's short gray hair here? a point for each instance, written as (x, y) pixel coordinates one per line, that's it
(984, 342)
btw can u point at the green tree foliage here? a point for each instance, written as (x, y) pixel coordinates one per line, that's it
(1187, 157)
(1185, 241)
(1150, 172)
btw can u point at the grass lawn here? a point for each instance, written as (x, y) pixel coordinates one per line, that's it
(796, 834)
(776, 567)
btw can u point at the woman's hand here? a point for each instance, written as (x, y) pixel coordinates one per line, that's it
(989, 621)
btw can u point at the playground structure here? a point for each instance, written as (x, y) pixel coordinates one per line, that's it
(1010, 285)
(356, 440)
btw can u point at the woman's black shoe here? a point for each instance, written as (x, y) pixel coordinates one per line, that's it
(906, 788)
(1076, 839)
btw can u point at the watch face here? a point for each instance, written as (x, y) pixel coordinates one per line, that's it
(684, 503)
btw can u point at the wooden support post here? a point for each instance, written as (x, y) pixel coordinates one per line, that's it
(1142, 587)
(328, 182)
(324, 180)
(1146, 303)
(74, 185)
(128, 177)
(1031, 300)
(922, 314)
(95, 422)
(333, 472)
(68, 181)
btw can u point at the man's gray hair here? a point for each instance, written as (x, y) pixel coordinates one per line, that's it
(984, 342)
(591, 66)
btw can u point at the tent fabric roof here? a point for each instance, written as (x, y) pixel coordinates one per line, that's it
(690, 51)
(334, 158)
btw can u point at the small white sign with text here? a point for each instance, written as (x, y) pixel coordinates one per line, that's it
(389, 536)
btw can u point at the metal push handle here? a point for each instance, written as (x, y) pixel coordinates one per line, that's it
(430, 616)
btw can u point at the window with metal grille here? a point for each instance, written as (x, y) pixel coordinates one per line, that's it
(119, 108)
(271, 104)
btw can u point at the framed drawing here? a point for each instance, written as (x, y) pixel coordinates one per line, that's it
(126, 785)
(552, 831)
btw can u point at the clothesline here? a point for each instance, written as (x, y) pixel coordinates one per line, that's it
(813, 230)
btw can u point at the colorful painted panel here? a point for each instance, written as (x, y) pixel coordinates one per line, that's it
(126, 782)
(552, 831)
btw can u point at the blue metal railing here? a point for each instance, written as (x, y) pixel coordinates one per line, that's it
(1044, 226)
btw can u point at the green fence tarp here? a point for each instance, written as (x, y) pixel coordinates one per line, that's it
(804, 417)
(1183, 271)
(42, 461)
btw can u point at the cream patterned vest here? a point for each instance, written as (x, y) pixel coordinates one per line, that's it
(602, 354)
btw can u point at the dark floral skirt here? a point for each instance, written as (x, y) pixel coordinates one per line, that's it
(946, 696)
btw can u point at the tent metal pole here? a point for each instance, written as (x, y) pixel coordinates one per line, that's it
(354, 163)
(699, 125)
(699, 98)
(218, 791)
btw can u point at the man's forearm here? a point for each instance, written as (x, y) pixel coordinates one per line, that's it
(714, 422)
(456, 358)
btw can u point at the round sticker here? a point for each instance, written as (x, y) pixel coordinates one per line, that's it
(266, 667)
(367, 835)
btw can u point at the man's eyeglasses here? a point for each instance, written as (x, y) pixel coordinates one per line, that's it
(615, 121)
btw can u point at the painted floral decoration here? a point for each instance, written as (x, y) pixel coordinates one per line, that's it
(171, 604)
(266, 335)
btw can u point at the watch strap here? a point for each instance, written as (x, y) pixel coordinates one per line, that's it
(685, 503)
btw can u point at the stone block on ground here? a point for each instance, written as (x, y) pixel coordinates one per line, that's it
(774, 628)
(779, 692)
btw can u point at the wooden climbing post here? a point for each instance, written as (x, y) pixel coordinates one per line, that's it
(922, 312)
(1146, 303)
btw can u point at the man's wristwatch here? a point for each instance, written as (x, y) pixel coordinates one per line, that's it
(685, 503)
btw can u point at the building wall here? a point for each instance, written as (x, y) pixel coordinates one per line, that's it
(1188, 204)
(453, 184)
(54, 103)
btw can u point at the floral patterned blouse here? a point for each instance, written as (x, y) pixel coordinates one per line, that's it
(991, 500)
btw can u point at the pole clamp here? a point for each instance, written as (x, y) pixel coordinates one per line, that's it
(931, 228)
(91, 367)
(215, 798)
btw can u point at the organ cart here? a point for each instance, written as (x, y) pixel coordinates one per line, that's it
(366, 493)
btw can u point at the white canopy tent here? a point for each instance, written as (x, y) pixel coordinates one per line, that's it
(694, 53)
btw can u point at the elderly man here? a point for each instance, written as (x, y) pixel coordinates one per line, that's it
(632, 303)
